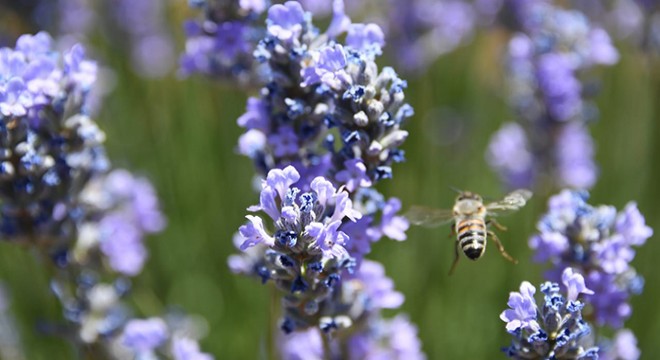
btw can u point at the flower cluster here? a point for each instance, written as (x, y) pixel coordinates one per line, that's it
(324, 130)
(220, 45)
(145, 338)
(305, 254)
(319, 90)
(328, 111)
(140, 24)
(423, 30)
(325, 290)
(144, 23)
(633, 21)
(49, 146)
(554, 330)
(60, 196)
(359, 301)
(121, 209)
(550, 144)
(600, 243)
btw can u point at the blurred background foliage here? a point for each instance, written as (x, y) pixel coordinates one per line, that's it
(182, 135)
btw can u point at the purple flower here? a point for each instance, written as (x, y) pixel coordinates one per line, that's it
(324, 190)
(560, 329)
(574, 156)
(340, 21)
(187, 349)
(632, 226)
(548, 245)
(387, 339)
(281, 180)
(284, 142)
(509, 154)
(601, 49)
(365, 37)
(302, 345)
(522, 312)
(15, 98)
(614, 254)
(81, 70)
(587, 239)
(251, 143)
(378, 287)
(286, 21)
(623, 347)
(360, 235)
(254, 233)
(231, 39)
(574, 282)
(561, 89)
(328, 68)
(354, 175)
(393, 226)
(121, 242)
(257, 6)
(34, 46)
(344, 208)
(609, 301)
(145, 335)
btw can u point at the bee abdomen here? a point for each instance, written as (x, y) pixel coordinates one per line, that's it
(472, 238)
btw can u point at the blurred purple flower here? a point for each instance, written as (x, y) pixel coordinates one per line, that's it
(631, 225)
(574, 155)
(145, 335)
(285, 21)
(187, 349)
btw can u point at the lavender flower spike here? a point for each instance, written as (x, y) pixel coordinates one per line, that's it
(557, 331)
(305, 254)
(595, 241)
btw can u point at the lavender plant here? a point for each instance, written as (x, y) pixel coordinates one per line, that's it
(221, 43)
(422, 30)
(599, 243)
(317, 192)
(632, 21)
(549, 146)
(554, 330)
(60, 197)
(137, 28)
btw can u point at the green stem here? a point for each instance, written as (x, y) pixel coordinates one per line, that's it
(327, 351)
(273, 316)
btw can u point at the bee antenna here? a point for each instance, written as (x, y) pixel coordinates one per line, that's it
(455, 189)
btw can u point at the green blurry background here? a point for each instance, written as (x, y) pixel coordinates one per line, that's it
(182, 134)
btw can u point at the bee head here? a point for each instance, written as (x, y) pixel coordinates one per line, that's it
(468, 195)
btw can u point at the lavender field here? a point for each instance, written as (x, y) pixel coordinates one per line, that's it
(234, 179)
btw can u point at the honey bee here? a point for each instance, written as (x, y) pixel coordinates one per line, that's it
(471, 220)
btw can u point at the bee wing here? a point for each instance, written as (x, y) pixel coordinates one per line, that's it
(511, 202)
(429, 217)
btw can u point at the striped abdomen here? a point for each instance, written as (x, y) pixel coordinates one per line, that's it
(472, 237)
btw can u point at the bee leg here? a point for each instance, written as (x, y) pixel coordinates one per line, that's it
(456, 257)
(500, 247)
(496, 224)
(452, 234)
